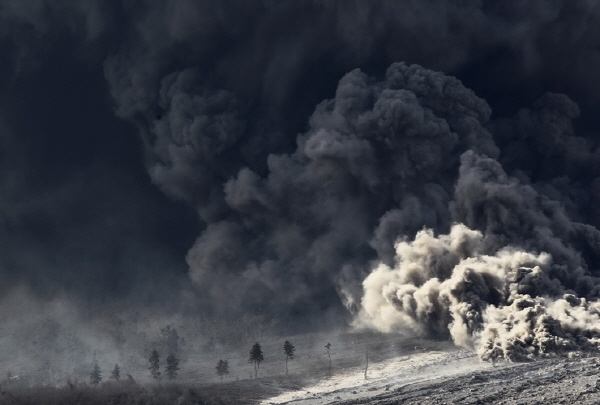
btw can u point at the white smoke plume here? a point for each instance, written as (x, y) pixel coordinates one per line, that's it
(514, 297)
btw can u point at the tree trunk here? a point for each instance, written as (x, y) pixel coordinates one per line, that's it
(367, 366)
(286, 368)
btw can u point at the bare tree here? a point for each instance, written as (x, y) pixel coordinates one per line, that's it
(256, 356)
(328, 353)
(222, 368)
(288, 349)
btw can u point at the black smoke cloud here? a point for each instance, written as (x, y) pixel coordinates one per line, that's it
(367, 150)
(310, 139)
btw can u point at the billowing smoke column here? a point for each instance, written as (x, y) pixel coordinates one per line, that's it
(397, 196)
(512, 284)
(378, 149)
(298, 231)
(513, 277)
(380, 161)
(504, 305)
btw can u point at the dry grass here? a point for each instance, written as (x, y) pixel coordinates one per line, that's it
(126, 393)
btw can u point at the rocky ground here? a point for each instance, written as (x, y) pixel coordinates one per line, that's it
(458, 377)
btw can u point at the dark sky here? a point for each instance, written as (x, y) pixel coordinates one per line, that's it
(233, 149)
(79, 212)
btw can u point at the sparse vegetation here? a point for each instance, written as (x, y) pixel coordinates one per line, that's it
(95, 374)
(116, 373)
(172, 366)
(154, 366)
(222, 368)
(242, 392)
(328, 353)
(207, 390)
(119, 393)
(367, 364)
(256, 356)
(288, 349)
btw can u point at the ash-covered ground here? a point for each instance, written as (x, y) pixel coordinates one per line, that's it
(400, 371)
(438, 373)
(549, 381)
(457, 377)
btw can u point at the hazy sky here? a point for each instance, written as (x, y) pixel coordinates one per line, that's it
(258, 155)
